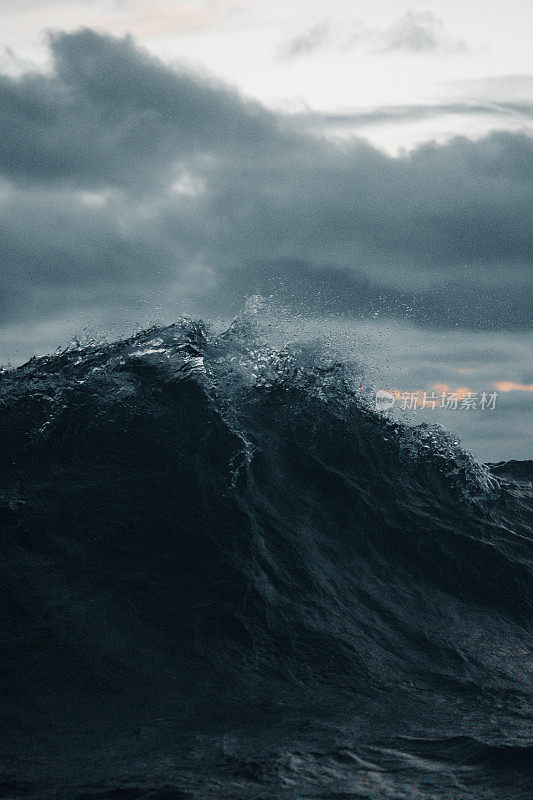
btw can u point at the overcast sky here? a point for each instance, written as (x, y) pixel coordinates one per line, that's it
(467, 63)
(367, 163)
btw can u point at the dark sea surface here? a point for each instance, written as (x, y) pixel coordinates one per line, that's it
(224, 575)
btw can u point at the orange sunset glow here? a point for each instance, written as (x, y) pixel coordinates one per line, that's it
(510, 386)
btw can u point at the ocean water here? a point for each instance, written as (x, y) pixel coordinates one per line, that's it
(224, 575)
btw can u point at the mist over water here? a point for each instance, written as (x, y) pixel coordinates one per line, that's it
(224, 574)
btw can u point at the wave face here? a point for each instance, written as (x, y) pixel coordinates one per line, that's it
(224, 575)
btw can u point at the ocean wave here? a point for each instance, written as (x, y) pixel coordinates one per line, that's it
(196, 515)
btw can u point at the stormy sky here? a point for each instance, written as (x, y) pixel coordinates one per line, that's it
(156, 162)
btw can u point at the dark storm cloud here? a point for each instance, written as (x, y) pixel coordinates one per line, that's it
(111, 114)
(443, 304)
(123, 178)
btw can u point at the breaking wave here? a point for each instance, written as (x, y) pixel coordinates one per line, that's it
(224, 575)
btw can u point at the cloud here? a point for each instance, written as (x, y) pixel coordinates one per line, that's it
(146, 114)
(416, 32)
(412, 113)
(420, 32)
(122, 180)
(308, 42)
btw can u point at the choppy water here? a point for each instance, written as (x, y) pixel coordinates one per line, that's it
(224, 576)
